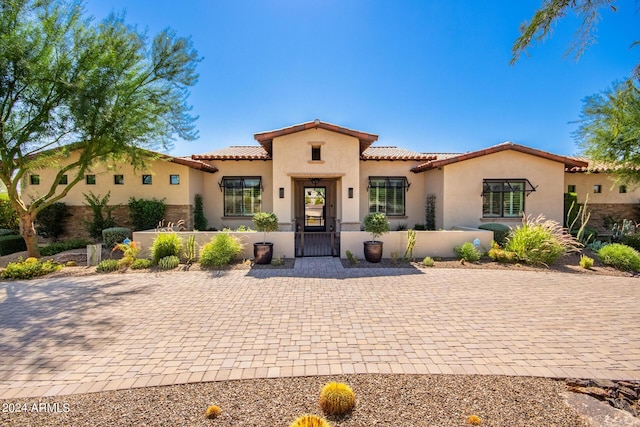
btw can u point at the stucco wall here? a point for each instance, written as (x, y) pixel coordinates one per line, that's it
(462, 199)
(120, 194)
(340, 159)
(584, 183)
(414, 197)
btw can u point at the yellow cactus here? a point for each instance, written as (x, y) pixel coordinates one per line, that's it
(213, 411)
(474, 420)
(337, 398)
(310, 421)
(31, 260)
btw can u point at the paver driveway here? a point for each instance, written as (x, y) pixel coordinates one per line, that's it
(63, 336)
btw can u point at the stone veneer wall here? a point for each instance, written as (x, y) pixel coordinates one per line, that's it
(617, 211)
(77, 215)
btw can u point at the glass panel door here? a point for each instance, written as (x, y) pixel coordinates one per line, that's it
(315, 208)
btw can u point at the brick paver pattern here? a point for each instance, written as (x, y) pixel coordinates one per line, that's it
(86, 334)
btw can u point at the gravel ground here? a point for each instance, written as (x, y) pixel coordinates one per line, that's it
(381, 400)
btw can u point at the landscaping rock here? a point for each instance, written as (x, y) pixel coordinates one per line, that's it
(622, 395)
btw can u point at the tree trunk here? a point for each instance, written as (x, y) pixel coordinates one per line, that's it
(28, 232)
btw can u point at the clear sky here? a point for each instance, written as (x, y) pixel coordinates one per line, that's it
(427, 75)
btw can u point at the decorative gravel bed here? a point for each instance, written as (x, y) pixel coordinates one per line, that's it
(381, 400)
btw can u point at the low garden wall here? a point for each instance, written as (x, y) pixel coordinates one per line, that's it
(428, 243)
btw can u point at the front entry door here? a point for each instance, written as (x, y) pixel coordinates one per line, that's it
(315, 210)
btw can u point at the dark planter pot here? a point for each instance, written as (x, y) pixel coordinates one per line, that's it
(262, 253)
(373, 251)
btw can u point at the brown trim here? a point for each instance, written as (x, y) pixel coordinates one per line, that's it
(568, 161)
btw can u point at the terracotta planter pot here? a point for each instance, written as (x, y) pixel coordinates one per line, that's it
(373, 251)
(262, 253)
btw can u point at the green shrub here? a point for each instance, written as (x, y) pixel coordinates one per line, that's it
(632, 240)
(12, 244)
(620, 256)
(7, 232)
(501, 255)
(146, 214)
(353, 260)
(420, 227)
(140, 264)
(107, 266)
(113, 235)
(169, 262)
(500, 231)
(166, 244)
(376, 224)
(199, 220)
(51, 221)
(220, 251)
(99, 207)
(540, 241)
(8, 216)
(29, 268)
(586, 262)
(467, 252)
(428, 262)
(57, 247)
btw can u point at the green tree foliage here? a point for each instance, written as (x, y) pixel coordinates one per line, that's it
(199, 220)
(68, 82)
(99, 207)
(146, 214)
(609, 130)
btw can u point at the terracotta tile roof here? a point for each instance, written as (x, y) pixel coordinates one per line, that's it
(394, 153)
(236, 152)
(569, 162)
(266, 138)
(595, 167)
(194, 164)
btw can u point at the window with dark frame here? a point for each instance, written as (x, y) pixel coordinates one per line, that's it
(622, 189)
(597, 188)
(90, 179)
(242, 195)
(387, 195)
(315, 152)
(571, 189)
(34, 179)
(503, 198)
(174, 179)
(147, 179)
(118, 179)
(64, 180)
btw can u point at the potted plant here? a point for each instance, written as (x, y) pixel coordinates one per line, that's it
(377, 225)
(265, 222)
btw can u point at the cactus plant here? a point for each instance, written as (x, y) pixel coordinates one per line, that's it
(474, 420)
(212, 412)
(310, 421)
(337, 398)
(169, 262)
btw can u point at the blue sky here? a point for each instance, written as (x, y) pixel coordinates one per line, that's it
(432, 76)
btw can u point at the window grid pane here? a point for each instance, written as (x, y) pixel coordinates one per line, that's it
(503, 199)
(242, 196)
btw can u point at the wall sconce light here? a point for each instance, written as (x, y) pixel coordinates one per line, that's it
(314, 181)
(351, 192)
(281, 192)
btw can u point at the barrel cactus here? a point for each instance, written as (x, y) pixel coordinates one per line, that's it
(169, 262)
(337, 398)
(212, 412)
(310, 421)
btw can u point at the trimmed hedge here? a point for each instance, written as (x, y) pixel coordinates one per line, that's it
(113, 235)
(12, 244)
(500, 231)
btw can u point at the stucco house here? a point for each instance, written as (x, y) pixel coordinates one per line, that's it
(319, 177)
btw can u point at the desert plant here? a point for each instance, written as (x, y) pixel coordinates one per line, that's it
(278, 262)
(113, 235)
(394, 257)
(428, 261)
(107, 266)
(310, 421)
(244, 229)
(377, 224)
(191, 250)
(71, 263)
(141, 264)
(581, 215)
(498, 254)
(467, 252)
(212, 412)
(401, 227)
(621, 230)
(51, 221)
(199, 220)
(146, 214)
(265, 222)
(169, 262)
(620, 256)
(474, 420)
(29, 268)
(99, 207)
(596, 245)
(586, 262)
(500, 231)
(337, 398)
(540, 241)
(353, 260)
(130, 251)
(430, 212)
(220, 251)
(632, 240)
(165, 244)
(57, 247)
(411, 242)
